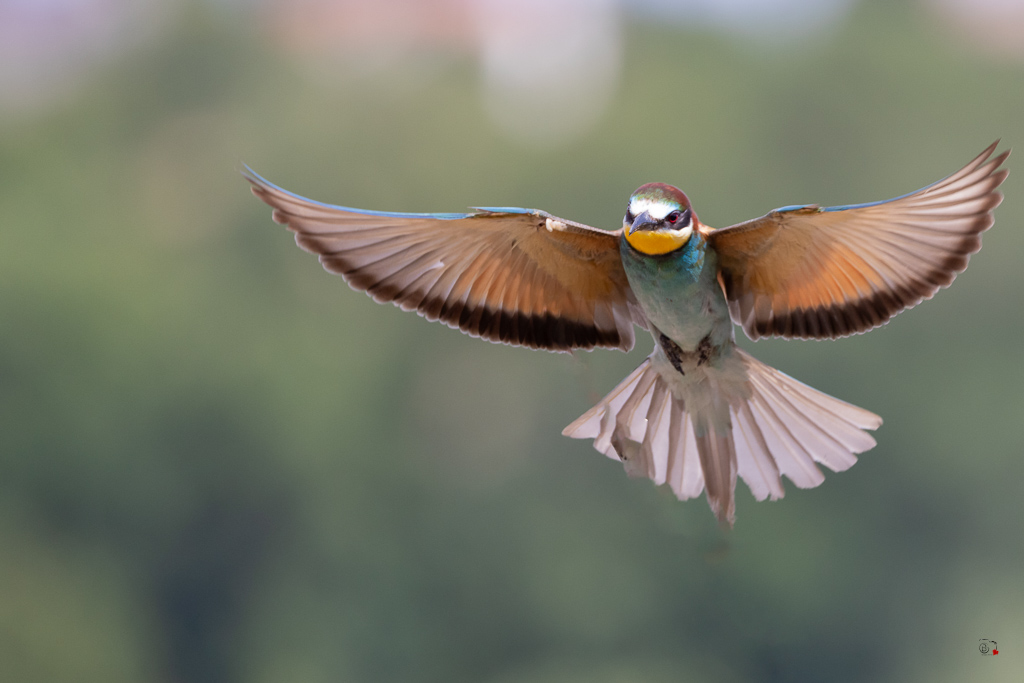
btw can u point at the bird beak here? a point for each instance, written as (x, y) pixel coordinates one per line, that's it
(643, 222)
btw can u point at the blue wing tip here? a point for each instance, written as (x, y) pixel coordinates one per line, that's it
(789, 208)
(259, 181)
(256, 179)
(503, 209)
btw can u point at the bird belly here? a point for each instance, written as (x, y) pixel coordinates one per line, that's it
(689, 318)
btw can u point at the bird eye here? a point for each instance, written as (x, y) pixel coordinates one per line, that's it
(673, 217)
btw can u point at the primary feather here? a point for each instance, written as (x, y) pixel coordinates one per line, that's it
(814, 273)
(515, 276)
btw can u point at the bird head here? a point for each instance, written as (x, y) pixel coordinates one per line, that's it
(659, 219)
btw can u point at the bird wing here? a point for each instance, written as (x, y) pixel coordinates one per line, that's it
(814, 273)
(510, 275)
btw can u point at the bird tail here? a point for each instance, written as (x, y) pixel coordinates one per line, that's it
(697, 432)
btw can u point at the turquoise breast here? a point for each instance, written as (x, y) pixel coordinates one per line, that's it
(679, 292)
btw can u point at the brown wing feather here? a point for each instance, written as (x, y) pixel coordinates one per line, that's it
(825, 273)
(522, 278)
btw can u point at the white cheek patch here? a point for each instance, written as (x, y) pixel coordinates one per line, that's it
(683, 234)
(657, 209)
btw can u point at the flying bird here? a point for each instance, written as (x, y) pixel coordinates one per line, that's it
(699, 411)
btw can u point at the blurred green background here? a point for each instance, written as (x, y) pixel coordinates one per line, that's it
(218, 463)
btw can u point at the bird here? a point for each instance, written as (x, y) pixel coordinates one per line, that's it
(699, 411)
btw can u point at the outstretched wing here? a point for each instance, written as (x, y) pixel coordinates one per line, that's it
(509, 275)
(814, 273)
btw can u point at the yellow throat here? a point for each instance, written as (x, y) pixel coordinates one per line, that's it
(656, 242)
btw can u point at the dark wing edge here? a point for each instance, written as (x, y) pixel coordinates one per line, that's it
(513, 276)
(943, 223)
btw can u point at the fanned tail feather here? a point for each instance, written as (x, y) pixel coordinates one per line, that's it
(739, 418)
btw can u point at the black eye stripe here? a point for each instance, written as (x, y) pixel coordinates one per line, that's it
(673, 217)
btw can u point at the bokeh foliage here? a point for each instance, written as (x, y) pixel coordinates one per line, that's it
(217, 463)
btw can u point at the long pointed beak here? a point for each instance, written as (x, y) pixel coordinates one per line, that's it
(642, 222)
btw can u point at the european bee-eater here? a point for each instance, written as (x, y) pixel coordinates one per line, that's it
(699, 411)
